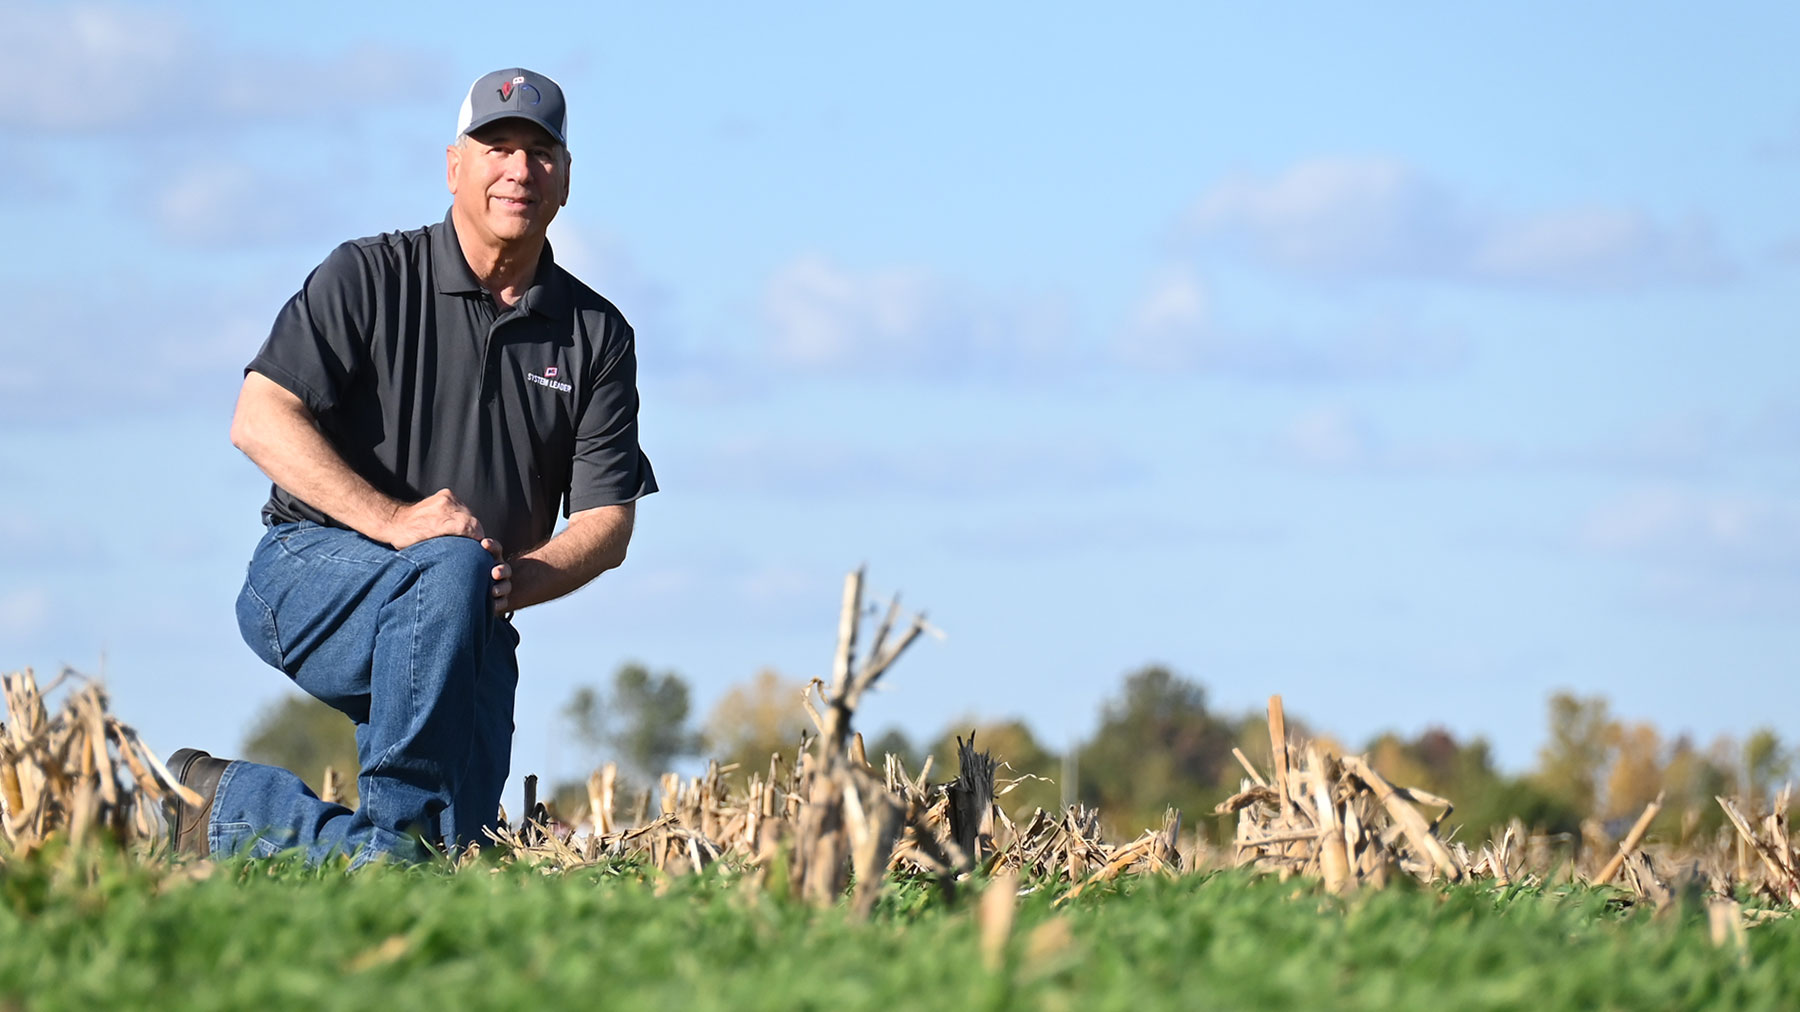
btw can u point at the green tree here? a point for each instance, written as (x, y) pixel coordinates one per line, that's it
(1767, 765)
(1464, 774)
(649, 720)
(895, 741)
(585, 715)
(1693, 779)
(1157, 745)
(303, 735)
(641, 723)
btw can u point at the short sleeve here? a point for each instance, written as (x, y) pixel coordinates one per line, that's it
(609, 467)
(320, 337)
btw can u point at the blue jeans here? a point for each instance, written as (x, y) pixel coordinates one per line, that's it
(404, 644)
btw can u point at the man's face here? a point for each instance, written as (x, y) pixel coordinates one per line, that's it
(508, 179)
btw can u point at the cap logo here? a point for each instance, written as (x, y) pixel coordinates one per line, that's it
(518, 84)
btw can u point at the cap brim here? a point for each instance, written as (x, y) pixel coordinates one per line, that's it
(477, 124)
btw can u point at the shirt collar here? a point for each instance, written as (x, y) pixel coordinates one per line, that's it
(547, 296)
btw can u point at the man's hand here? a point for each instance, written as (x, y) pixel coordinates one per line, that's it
(502, 576)
(594, 542)
(440, 514)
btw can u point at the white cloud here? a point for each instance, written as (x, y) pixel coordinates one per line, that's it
(89, 67)
(93, 65)
(1330, 436)
(1777, 426)
(1596, 249)
(1704, 553)
(231, 203)
(1786, 251)
(1670, 444)
(1745, 531)
(821, 468)
(603, 263)
(667, 590)
(133, 346)
(1335, 216)
(1337, 437)
(826, 317)
(1678, 446)
(1177, 302)
(23, 612)
(1373, 217)
(1784, 144)
(1173, 326)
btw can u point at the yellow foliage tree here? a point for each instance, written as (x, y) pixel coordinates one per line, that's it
(1637, 773)
(755, 719)
(1582, 737)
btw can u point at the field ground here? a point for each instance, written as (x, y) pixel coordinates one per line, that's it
(95, 932)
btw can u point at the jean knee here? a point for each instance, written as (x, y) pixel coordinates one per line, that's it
(455, 568)
(256, 623)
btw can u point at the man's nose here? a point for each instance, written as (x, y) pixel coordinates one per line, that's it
(518, 165)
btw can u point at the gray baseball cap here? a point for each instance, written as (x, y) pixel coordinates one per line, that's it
(514, 94)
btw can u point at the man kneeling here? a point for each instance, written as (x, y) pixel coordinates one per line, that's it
(424, 405)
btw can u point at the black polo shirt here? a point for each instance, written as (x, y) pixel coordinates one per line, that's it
(422, 381)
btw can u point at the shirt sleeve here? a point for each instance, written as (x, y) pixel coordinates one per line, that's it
(609, 467)
(319, 340)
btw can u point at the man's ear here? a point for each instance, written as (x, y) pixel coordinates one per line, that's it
(452, 162)
(568, 163)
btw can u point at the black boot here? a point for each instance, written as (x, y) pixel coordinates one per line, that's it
(199, 772)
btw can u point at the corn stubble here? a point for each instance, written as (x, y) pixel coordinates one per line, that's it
(832, 823)
(80, 774)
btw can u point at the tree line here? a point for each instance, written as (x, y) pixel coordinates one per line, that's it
(1156, 742)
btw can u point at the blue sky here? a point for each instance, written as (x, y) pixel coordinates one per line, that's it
(1411, 361)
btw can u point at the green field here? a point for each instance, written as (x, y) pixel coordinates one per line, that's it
(101, 933)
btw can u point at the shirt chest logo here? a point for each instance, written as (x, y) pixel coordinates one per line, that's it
(549, 379)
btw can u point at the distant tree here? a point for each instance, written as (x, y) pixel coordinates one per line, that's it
(641, 724)
(894, 741)
(303, 735)
(1011, 742)
(1693, 779)
(1582, 738)
(585, 715)
(1767, 765)
(649, 720)
(1637, 772)
(1464, 774)
(1483, 813)
(1157, 745)
(756, 719)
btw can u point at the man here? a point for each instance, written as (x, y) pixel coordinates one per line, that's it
(423, 406)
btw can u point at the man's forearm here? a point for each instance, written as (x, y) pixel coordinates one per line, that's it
(594, 542)
(277, 433)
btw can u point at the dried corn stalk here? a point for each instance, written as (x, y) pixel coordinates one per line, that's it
(1338, 820)
(1779, 858)
(848, 819)
(80, 773)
